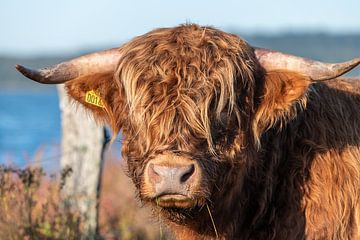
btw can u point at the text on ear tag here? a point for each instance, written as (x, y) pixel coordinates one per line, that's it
(94, 99)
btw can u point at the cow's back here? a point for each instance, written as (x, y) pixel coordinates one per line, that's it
(332, 189)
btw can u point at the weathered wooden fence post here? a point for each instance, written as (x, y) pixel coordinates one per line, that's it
(82, 150)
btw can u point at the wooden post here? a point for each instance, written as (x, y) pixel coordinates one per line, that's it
(82, 150)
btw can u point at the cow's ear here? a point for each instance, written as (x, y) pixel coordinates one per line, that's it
(89, 80)
(99, 94)
(283, 92)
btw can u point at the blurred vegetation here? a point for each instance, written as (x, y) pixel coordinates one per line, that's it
(320, 46)
(31, 207)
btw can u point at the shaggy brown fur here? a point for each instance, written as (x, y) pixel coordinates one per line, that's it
(279, 155)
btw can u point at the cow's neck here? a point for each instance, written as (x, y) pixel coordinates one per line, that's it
(250, 206)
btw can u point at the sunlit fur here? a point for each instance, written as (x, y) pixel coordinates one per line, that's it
(279, 155)
(176, 80)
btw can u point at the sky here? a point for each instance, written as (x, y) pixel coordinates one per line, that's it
(46, 27)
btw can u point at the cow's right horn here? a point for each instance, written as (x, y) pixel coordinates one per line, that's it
(99, 62)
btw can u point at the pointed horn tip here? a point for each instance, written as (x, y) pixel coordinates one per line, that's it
(29, 73)
(19, 67)
(347, 66)
(23, 70)
(355, 61)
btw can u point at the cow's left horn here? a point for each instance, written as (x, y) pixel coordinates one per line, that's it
(317, 71)
(98, 62)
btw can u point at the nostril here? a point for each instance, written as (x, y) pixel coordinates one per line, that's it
(170, 175)
(187, 173)
(153, 175)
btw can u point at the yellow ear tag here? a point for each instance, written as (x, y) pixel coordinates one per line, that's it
(94, 99)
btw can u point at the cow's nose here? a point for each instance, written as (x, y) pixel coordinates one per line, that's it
(171, 180)
(178, 174)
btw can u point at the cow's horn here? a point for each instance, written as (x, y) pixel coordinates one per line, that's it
(98, 62)
(317, 71)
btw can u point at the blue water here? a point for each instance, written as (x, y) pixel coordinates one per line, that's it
(29, 126)
(30, 129)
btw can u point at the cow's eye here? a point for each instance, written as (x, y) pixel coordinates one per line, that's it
(218, 129)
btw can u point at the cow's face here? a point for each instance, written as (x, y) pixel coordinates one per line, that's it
(189, 100)
(193, 103)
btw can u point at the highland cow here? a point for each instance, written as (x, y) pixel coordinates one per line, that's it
(224, 140)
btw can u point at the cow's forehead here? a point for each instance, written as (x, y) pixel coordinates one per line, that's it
(187, 42)
(178, 81)
(188, 59)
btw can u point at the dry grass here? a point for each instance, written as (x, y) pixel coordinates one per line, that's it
(31, 207)
(121, 216)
